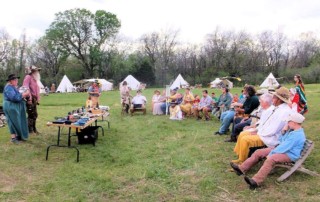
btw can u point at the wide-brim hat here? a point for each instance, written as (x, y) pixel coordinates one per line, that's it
(283, 94)
(34, 68)
(12, 77)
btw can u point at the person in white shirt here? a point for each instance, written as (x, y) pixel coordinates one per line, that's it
(269, 128)
(139, 101)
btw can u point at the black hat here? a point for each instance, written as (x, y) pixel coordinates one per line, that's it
(12, 76)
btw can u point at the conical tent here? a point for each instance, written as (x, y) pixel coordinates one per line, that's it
(105, 85)
(269, 82)
(65, 85)
(179, 83)
(133, 83)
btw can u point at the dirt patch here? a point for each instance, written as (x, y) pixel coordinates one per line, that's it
(7, 183)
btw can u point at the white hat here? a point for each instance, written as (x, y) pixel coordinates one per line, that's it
(295, 117)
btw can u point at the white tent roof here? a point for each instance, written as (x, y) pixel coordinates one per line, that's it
(65, 85)
(179, 82)
(216, 83)
(270, 81)
(105, 85)
(133, 83)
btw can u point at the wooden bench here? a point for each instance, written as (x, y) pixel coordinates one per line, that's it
(297, 166)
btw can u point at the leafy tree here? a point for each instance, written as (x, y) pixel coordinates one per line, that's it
(83, 35)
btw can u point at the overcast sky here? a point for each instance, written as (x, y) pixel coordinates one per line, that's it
(194, 18)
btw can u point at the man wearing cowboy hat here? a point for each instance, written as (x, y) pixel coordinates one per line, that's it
(288, 150)
(269, 126)
(31, 82)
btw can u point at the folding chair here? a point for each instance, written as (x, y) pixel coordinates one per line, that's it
(297, 166)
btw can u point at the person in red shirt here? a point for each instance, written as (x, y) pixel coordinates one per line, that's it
(31, 82)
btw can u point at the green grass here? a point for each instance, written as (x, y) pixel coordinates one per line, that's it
(142, 158)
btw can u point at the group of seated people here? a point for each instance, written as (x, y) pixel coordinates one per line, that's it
(180, 106)
(263, 121)
(263, 126)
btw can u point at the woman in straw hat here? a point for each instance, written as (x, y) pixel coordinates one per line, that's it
(14, 107)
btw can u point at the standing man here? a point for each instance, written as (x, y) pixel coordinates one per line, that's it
(95, 91)
(31, 82)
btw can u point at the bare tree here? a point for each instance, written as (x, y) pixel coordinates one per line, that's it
(4, 44)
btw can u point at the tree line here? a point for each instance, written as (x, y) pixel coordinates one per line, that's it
(82, 44)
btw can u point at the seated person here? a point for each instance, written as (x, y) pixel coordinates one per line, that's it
(204, 106)
(269, 126)
(157, 104)
(235, 98)
(172, 98)
(288, 150)
(126, 101)
(251, 103)
(214, 97)
(195, 103)
(265, 102)
(223, 103)
(187, 102)
(175, 111)
(139, 101)
(155, 98)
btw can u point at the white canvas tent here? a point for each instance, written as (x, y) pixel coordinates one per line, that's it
(269, 82)
(133, 83)
(65, 85)
(217, 83)
(105, 85)
(179, 83)
(41, 86)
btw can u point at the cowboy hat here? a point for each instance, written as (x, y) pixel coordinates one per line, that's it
(283, 94)
(12, 77)
(34, 68)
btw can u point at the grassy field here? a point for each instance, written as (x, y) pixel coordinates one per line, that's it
(142, 158)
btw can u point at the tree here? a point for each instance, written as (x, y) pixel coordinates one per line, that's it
(49, 57)
(83, 35)
(4, 44)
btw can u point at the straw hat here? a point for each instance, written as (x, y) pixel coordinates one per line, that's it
(283, 94)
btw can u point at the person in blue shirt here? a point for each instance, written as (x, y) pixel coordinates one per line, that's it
(289, 150)
(14, 107)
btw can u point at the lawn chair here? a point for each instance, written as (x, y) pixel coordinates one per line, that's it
(140, 109)
(292, 167)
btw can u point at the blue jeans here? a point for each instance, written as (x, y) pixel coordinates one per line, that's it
(226, 119)
(163, 108)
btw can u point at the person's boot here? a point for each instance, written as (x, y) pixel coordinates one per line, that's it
(232, 139)
(35, 128)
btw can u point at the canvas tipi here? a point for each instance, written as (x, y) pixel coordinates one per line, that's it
(105, 85)
(65, 85)
(269, 82)
(179, 83)
(133, 83)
